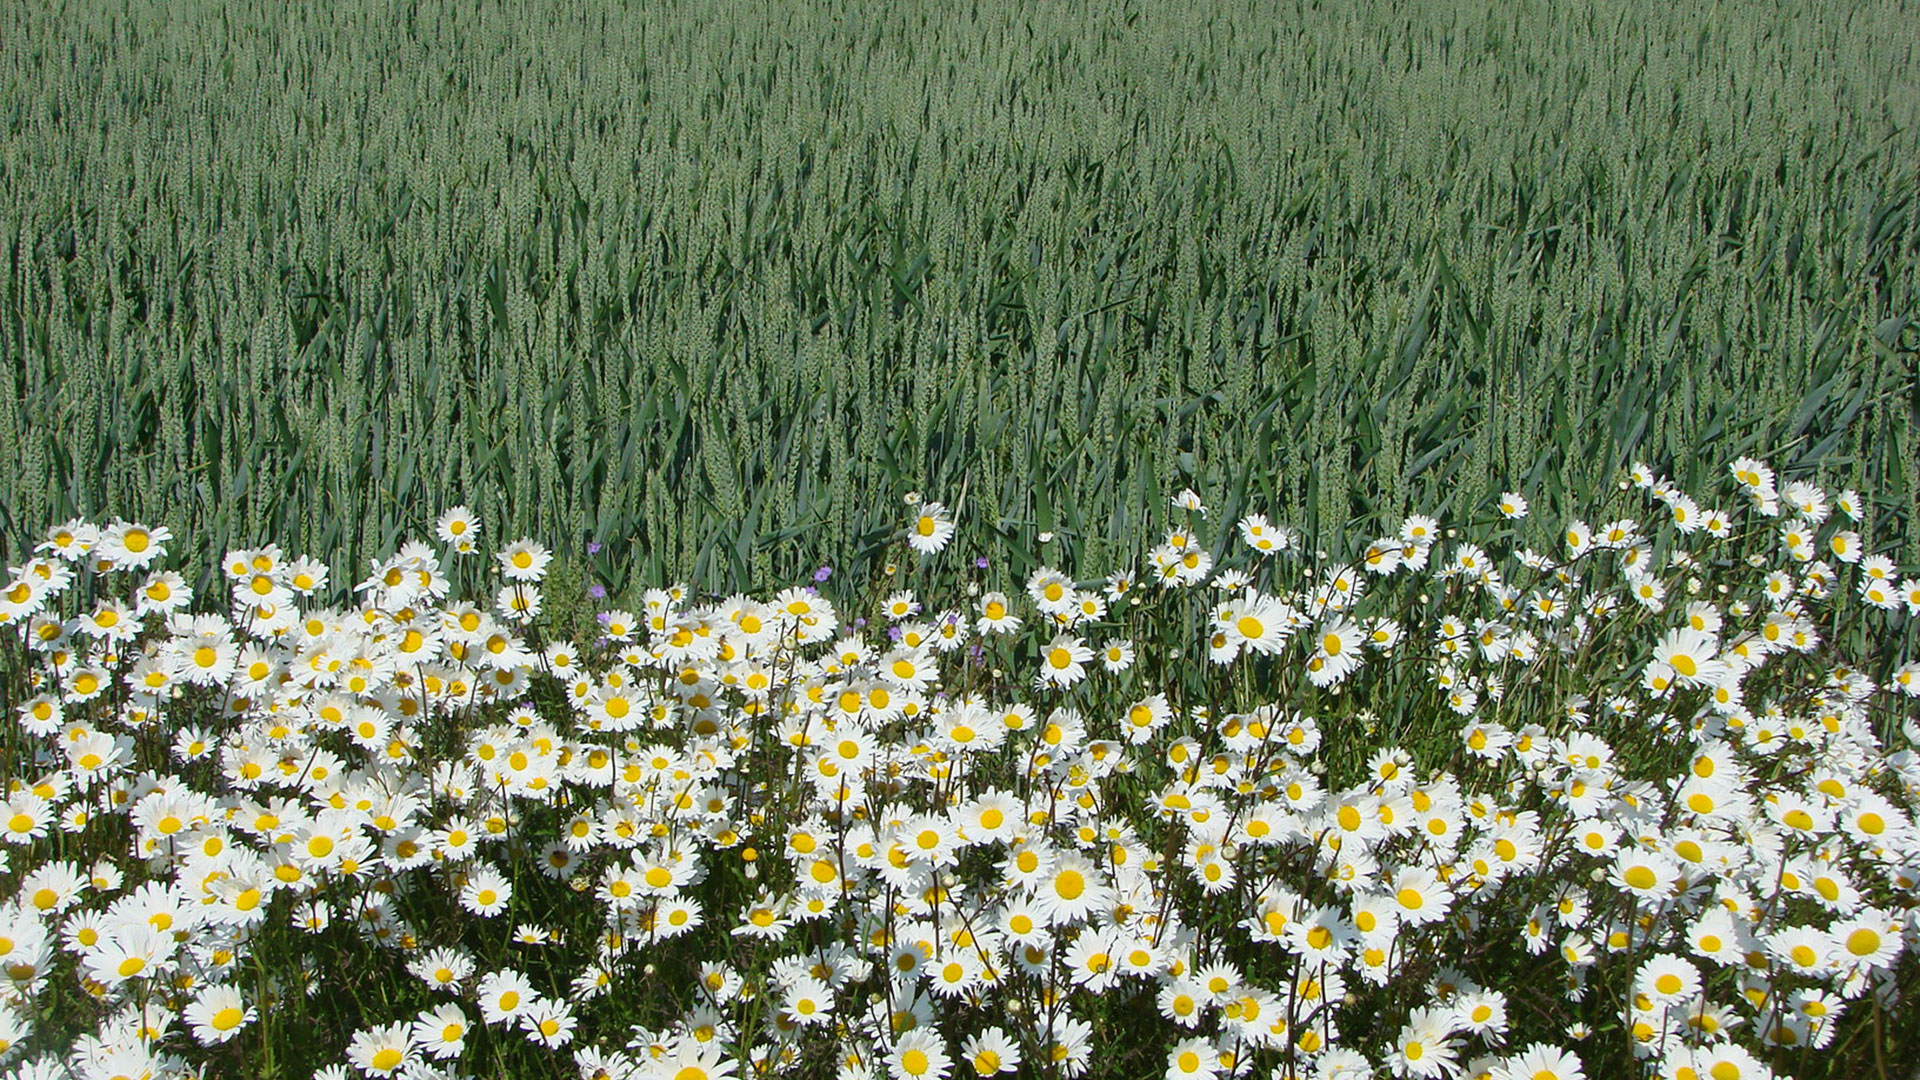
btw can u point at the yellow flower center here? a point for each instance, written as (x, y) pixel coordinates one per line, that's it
(1070, 884)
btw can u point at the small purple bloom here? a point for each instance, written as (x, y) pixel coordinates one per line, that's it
(604, 617)
(593, 547)
(894, 633)
(980, 563)
(823, 573)
(859, 623)
(598, 592)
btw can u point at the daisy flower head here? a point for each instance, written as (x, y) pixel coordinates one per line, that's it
(518, 603)
(442, 1032)
(1050, 590)
(504, 995)
(690, 1057)
(1906, 677)
(1424, 1047)
(382, 1051)
(1090, 960)
(1513, 506)
(443, 968)
(1752, 473)
(1336, 653)
(1342, 1063)
(164, 592)
(1384, 555)
(24, 596)
(1665, 979)
(217, 1014)
(901, 605)
(1849, 503)
(549, 1023)
(1870, 939)
(990, 1052)
(1260, 623)
(808, 1001)
(1179, 566)
(1685, 513)
(1805, 949)
(1691, 655)
(1192, 1059)
(1540, 1061)
(486, 892)
(305, 576)
(1420, 529)
(524, 560)
(996, 615)
(920, 1054)
(1420, 896)
(1265, 537)
(129, 545)
(1808, 499)
(460, 527)
(1727, 1060)
(25, 817)
(1071, 1045)
(931, 530)
(70, 540)
(1064, 661)
(1070, 891)
(1644, 874)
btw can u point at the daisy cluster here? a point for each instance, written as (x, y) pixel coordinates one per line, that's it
(1438, 811)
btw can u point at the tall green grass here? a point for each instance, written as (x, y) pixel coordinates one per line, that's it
(714, 284)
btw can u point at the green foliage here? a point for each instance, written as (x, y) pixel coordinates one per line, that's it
(714, 284)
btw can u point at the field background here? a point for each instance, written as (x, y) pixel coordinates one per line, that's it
(725, 281)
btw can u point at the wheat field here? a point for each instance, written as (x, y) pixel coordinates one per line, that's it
(713, 287)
